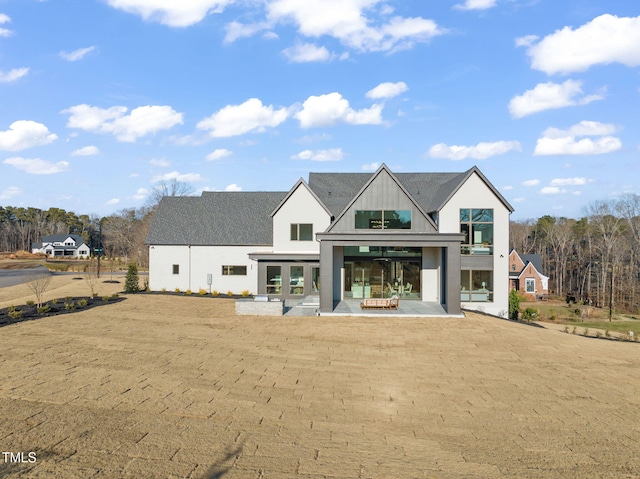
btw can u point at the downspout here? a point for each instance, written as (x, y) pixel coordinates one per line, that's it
(189, 267)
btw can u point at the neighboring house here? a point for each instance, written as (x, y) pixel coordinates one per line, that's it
(62, 246)
(525, 275)
(434, 237)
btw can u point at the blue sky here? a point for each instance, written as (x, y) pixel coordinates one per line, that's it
(102, 99)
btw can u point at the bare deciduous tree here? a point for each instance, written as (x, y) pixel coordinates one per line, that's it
(38, 283)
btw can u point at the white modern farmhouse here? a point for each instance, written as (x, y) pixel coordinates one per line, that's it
(433, 237)
(62, 246)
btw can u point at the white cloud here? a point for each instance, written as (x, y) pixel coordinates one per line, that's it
(333, 154)
(171, 12)
(551, 190)
(13, 75)
(175, 175)
(332, 108)
(113, 201)
(387, 90)
(78, 54)
(526, 41)
(233, 187)
(531, 183)
(605, 39)
(36, 166)
(233, 120)
(10, 192)
(370, 166)
(564, 142)
(218, 154)
(475, 5)
(577, 181)
(86, 151)
(479, 152)
(161, 162)
(141, 194)
(5, 32)
(349, 21)
(23, 134)
(236, 30)
(307, 53)
(548, 96)
(139, 122)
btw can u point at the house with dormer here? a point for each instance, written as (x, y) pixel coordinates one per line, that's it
(70, 246)
(525, 275)
(433, 237)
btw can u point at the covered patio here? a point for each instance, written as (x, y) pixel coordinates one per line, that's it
(310, 306)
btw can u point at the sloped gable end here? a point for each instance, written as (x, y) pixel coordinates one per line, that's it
(383, 202)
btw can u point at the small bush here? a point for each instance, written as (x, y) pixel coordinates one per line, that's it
(598, 334)
(586, 332)
(54, 301)
(607, 333)
(15, 313)
(31, 302)
(202, 292)
(177, 290)
(163, 290)
(115, 296)
(215, 293)
(530, 314)
(245, 293)
(574, 330)
(82, 303)
(132, 281)
(229, 293)
(105, 298)
(514, 305)
(188, 292)
(566, 329)
(45, 308)
(69, 306)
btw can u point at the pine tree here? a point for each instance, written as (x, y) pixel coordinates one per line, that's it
(131, 284)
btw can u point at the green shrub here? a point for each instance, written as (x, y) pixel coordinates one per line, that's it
(69, 306)
(45, 308)
(54, 301)
(177, 290)
(163, 290)
(132, 281)
(105, 298)
(530, 314)
(566, 329)
(586, 332)
(114, 296)
(15, 313)
(215, 293)
(188, 292)
(82, 303)
(229, 293)
(514, 305)
(31, 302)
(202, 292)
(245, 293)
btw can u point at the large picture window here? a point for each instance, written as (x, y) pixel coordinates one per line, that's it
(530, 285)
(476, 286)
(301, 232)
(274, 279)
(477, 227)
(383, 219)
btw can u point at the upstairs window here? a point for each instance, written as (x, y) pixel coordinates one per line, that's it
(383, 219)
(477, 227)
(301, 232)
(175, 268)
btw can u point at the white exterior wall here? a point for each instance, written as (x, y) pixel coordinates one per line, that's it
(476, 194)
(198, 261)
(300, 208)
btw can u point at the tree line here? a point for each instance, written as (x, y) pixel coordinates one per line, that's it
(120, 234)
(594, 259)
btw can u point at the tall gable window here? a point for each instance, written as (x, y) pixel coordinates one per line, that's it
(477, 227)
(383, 219)
(301, 232)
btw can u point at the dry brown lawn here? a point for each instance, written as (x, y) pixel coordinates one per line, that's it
(161, 386)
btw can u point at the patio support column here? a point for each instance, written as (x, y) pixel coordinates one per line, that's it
(326, 276)
(452, 275)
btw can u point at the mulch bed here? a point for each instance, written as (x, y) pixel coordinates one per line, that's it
(61, 306)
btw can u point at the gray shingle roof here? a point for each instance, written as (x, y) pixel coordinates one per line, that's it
(429, 190)
(59, 238)
(215, 218)
(534, 259)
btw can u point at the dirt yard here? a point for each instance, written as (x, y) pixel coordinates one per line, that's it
(161, 386)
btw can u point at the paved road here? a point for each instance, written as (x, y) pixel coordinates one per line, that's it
(11, 277)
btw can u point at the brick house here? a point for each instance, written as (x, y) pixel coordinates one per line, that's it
(525, 275)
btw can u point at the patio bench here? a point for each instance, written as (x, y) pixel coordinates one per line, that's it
(385, 303)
